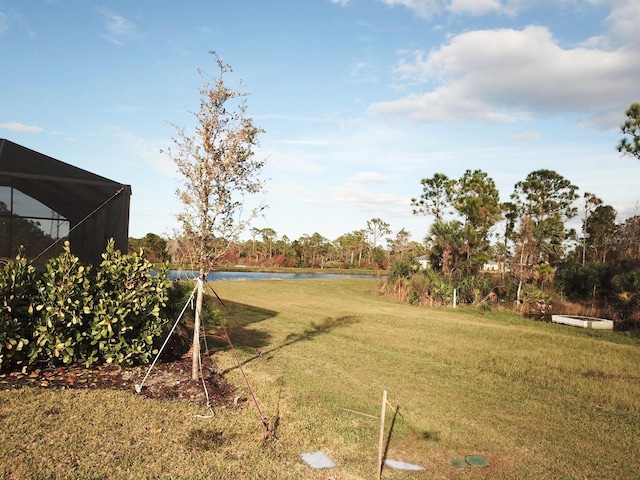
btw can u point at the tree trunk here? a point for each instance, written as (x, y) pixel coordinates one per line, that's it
(195, 359)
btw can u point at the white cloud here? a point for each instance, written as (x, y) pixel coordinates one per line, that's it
(505, 74)
(624, 21)
(118, 29)
(474, 7)
(142, 148)
(363, 72)
(13, 20)
(443, 104)
(423, 8)
(605, 120)
(526, 136)
(312, 143)
(371, 177)
(21, 127)
(355, 193)
(623, 24)
(294, 162)
(431, 8)
(152, 155)
(4, 23)
(122, 109)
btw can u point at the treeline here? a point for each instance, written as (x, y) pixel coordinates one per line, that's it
(553, 247)
(546, 246)
(372, 247)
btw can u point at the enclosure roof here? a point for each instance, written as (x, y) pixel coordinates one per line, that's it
(71, 191)
(96, 208)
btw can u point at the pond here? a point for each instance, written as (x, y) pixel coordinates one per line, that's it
(218, 276)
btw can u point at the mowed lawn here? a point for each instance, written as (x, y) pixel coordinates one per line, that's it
(536, 400)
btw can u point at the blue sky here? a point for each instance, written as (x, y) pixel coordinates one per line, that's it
(359, 99)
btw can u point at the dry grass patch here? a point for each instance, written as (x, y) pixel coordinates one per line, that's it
(537, 400)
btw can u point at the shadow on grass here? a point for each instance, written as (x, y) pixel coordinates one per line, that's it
(203, 439)
(236, 316)
(396, 412)
(255, 338)
(325, 326)
(425, 435)
(431, 435)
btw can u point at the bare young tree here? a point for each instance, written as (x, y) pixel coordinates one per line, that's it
(376, 229)
(218, 171)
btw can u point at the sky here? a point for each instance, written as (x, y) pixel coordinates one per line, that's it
(359, 99)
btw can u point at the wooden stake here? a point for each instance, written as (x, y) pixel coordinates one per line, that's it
(381, 440)
(195, 361)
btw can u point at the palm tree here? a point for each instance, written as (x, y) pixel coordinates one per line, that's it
(447, 244)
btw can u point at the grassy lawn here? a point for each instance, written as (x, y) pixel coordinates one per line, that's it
(537, 400)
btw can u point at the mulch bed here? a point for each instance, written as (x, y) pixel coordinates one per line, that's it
(169, 380)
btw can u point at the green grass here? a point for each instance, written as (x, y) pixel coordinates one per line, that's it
(537, 400)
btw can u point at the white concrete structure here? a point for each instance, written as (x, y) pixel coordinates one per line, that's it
(583, 322)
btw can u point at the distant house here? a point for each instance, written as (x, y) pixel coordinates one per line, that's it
(490, 266)
(493, 266)
(423, 261)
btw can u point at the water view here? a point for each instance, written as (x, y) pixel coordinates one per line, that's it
(218, 276)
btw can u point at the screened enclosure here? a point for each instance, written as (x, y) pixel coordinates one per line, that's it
(44, 201)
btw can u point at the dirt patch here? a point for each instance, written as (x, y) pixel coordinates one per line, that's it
(169, 380)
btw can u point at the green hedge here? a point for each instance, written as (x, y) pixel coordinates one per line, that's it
(71, 312)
